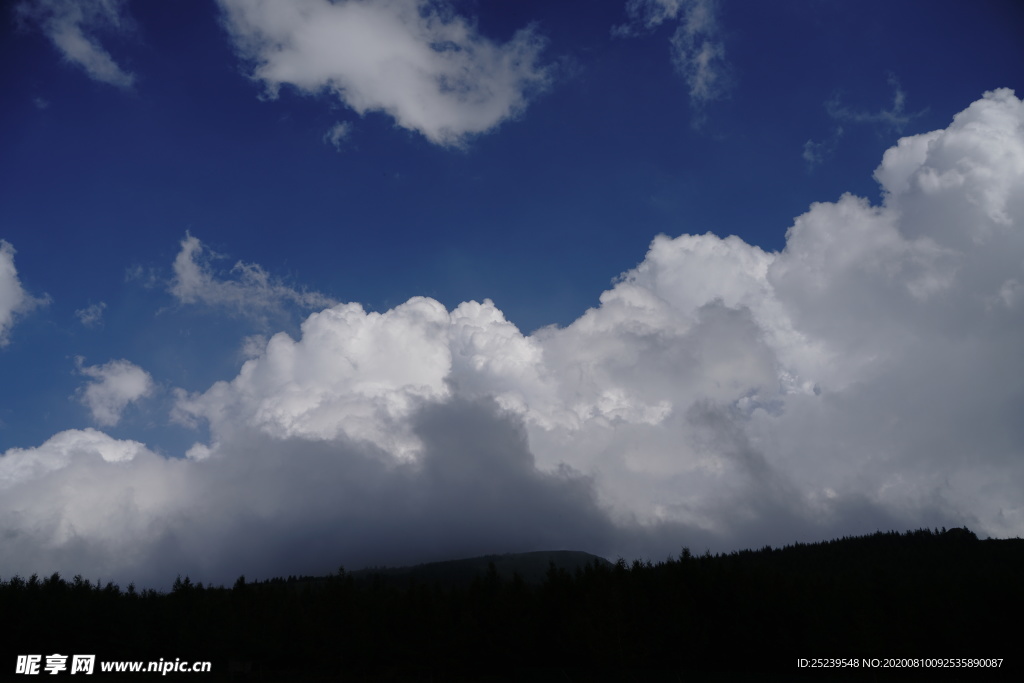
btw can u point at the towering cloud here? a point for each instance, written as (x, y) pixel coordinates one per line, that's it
(867, 376)
(415, 60)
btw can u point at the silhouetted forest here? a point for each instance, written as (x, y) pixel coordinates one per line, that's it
(919, 594)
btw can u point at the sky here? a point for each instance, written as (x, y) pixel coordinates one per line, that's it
(292, 285)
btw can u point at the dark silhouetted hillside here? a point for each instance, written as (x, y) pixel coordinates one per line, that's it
(921, 594)
(531, 567)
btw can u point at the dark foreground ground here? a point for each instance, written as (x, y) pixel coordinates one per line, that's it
(923, 605)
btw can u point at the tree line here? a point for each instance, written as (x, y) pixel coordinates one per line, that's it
(919, 594)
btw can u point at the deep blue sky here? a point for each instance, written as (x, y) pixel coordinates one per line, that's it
(538, 215)
(101, 182)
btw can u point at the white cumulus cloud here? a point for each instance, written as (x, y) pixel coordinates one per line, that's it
(114, 386)
(352, 374)
(714, 367)
(868, 376)
(414, 60)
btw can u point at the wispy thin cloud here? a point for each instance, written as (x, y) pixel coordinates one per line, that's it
(697, 49)
(92, 315)
(247, 290)
(72, 26)
(894, 117)
(14, 299)
(891, 119)
(338, 134)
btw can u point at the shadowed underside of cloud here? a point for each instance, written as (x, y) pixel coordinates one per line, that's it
(414, 60)
(868, 376)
